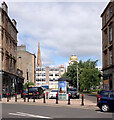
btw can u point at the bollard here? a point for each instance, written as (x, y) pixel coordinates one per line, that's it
(28, 99)
(44, 98)
(24, 97)
(46, 95)
(97, 98)
(0, 97)
(33, 97)
(15, 97)
(82, 100)
(21, 94)
(37, 94)
(7, 97)
(57, 98)
(68, 99)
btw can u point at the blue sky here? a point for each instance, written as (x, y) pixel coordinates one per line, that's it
(62, 29)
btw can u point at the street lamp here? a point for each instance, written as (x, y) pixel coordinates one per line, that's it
(77, 77)
(27, 79)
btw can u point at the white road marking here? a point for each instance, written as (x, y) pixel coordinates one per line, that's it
(30, 115)
(16, 114)
(104, 112)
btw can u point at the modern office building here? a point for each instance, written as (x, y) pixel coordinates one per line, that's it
(48, 76)
(10, 80)
(26, 63)
(108, 46)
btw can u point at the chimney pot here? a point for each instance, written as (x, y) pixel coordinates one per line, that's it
(5, 7)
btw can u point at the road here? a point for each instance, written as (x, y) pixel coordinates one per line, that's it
(49, 112)
(90, 97)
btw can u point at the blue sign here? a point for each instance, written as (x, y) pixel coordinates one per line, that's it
(62, 87)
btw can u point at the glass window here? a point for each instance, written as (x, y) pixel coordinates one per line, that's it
(72, 89)
(110, 31)
(106, 94)
(57, 74)
(110, 56)
(54, 91)
(111, 11)
(50, 74)
(112, 94)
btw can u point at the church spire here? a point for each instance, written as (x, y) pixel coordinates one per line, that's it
(39, 56)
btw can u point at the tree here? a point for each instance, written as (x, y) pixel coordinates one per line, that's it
(25, 85)
(88, 74)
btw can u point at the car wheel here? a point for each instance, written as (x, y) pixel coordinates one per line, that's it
(78, 97)
(104, 108)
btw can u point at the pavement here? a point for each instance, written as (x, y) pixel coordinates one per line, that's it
(74, 103)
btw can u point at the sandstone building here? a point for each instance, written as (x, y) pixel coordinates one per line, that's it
(108, 46)
(10, 81)
(26, 62)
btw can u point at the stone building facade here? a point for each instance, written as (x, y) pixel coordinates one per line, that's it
(49, 76)
(10, 81)
(26, 62)
(108, 46)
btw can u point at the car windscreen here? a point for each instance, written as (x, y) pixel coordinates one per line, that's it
(33, 89)
(54, 91)
(72, 89)
(112, 94)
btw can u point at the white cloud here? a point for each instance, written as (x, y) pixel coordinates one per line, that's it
(61, 28)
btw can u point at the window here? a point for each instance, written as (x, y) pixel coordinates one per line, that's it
(43, 79)
(57, 74)
(110, 56)
(110, 36)
(61, 70)
(111, 11)
(50, 79)
(112, 94)
(106, 94)
(50, 74)
(56, 69)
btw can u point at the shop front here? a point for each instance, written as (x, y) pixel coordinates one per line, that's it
(11, 83)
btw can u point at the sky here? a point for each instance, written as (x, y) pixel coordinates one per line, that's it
(62, 28)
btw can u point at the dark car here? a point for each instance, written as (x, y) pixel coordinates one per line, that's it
(73, 93)
(31, 92)
(106, 101)
(36, 92)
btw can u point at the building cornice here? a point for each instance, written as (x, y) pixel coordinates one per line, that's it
(105, 68)
(8, 19)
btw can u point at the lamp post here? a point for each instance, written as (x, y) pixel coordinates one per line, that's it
(27, 79)
(77, 77)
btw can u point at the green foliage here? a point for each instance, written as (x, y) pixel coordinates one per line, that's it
(25, 85)
(88, 75)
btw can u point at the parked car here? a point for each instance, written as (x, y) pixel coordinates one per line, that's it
(53, 93)
(106, 101)
(38, 91)
(73, 93)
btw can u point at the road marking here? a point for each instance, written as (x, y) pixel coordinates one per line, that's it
(16, 114)
(104, 112)
(30, 115)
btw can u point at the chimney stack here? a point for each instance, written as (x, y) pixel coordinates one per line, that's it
(5, 7)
